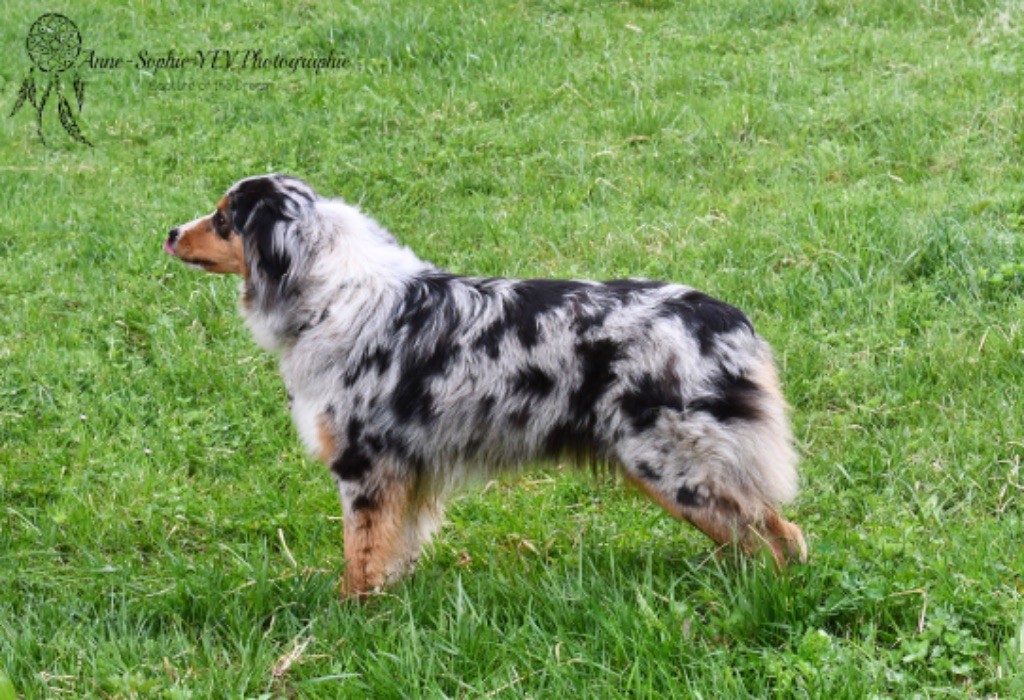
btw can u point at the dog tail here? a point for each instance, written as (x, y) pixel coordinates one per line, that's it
(740, 444)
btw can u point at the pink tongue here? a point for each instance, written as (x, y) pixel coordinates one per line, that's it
(168, 249)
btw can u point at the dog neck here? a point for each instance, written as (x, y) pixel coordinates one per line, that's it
(345, 263)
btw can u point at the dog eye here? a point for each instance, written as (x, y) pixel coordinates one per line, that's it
(220, 226)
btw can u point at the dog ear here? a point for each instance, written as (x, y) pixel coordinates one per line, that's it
(260, 214)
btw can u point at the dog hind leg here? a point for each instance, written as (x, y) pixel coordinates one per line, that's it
(728, 480)
(722, 519)
(422, 520)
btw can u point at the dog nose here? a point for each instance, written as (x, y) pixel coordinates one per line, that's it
(172, 238)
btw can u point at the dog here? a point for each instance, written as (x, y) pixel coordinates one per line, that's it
(407, 380)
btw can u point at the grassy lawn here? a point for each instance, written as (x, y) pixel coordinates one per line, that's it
(850, 173)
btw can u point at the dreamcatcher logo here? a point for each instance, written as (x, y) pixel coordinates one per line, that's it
(54, 44)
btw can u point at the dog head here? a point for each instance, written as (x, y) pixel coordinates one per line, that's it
(253, 232)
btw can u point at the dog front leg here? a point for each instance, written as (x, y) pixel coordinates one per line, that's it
(374, 536)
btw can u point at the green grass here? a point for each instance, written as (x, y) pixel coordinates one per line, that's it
(848, 172)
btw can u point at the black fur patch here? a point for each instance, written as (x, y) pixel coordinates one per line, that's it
(486, 407)
(427, 303)
(533, 381)
(353, 463)
(534, 298)
(570, 439)
(399, 446)
(647, 472)
(257, 207)
(310, 324)
(623, 288)
(735, 398)
(643, 403)
(591, 319)
(246, 196)
(530, 300)
(364, 501)
(596, 359)
(373, 443)
(706, 317)
(411, 398)
(520, 417)
(688, 497)
(426, 300)
(489, 339)
(378, 359)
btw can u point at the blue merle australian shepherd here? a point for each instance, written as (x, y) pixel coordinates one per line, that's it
(407, 380)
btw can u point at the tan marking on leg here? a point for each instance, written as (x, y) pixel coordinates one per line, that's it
(325, 436)
(671, 506)
(706, 519)
(722, 521)
(373, 539)
(784, 538)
